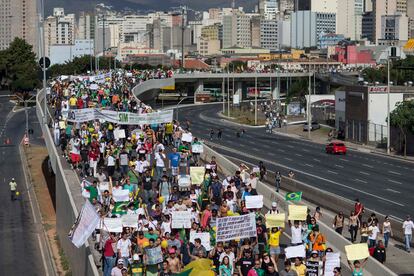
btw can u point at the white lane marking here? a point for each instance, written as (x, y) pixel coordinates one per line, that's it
(272, 153)
(397, 218)
(309, 165)
(297, 154)
(317, 160)
(364, 173)
(305, 150)
(359, 180)
(332, 172)
(311, 175)
(288, 159)
(280, 150)
(393, 181)
(343, 160)
(290, 146)
(393, 191)
(397, 173)
(368, 166)
(255, 149)
(339, 166)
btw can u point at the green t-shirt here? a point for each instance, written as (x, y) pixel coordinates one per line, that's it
(133, 177)
(151, 236)
(137, 269)
(93, 191)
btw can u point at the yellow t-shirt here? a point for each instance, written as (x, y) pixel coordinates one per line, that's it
(274, 238)
(300, 270)
(72, 101)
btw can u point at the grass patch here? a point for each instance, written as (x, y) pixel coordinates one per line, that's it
(63, 260)
(245, 116)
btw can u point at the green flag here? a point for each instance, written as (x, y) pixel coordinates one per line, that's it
(120, 208)
(295, 196)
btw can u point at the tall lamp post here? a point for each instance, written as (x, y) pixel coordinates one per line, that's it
(43, 51)
(388, 106)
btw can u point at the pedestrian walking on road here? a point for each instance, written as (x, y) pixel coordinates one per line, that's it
(278, 179)
(219, 133)
(379, 252)
(353, 225)
(211, 134)
(338, 223)
(386, 230)
(13, 189)
(408, 227)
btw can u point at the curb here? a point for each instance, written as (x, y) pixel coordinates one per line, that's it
(28, 175)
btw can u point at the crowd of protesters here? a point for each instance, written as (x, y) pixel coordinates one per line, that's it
(150, 161)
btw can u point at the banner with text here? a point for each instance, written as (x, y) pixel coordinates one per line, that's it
(181, 219)
(275, 220)
(204, 237)
(85, 224)
(154, 255)
(254, 202)
(237, 227)
(122, 118)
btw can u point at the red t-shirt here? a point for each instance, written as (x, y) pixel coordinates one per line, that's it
(109, 251)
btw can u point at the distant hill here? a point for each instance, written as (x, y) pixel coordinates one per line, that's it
(75, 6)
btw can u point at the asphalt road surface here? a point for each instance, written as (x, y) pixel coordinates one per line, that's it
(383, 184)
(19, 234)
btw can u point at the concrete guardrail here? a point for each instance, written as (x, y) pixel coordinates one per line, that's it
(373, 267)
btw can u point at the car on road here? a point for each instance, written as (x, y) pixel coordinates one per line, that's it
(336, 147)
(314, 126)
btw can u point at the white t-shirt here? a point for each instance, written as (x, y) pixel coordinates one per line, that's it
(75, 146)
(123, 246)
(408, 227)
(374, 232)
(230, 255)
(159, 158)
(111, 160)
(165, 227)
(296, 234)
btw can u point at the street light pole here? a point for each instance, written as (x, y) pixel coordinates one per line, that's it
(43, 43)
(255, 101)
(223, 88)
(388, 107)
(228, 94)
(309, 106)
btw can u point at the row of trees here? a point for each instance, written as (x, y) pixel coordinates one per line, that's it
(401, 71)
(18, 67)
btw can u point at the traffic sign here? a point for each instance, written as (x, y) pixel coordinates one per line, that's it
(47, 62)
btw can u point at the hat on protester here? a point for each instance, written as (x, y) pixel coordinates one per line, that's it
(314, 252)
(120, 261)
(274, 204)
(171, 251)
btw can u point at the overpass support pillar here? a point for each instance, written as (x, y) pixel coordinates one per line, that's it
(275, 90)
(199, 88)
(238, 89)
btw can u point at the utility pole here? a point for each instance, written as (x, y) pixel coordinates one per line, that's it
(228, 94)
(103, 35)
(223, 88)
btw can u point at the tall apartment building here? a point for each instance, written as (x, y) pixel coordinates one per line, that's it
(86, 26)
(236, 30)
(394, 27)
(274, 34)
(134, 29)
(402, 6)
(286, 7)
(359, 12)
(328, 6)
(410, 14)
(269, 9)
(19, 18)
(59, 29)
(349, 18)
(380, 8)
(307, 27)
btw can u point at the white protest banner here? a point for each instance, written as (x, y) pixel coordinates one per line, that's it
(204, 237)
(357, 251)
(236, 227)
(197, 175)
(93, 86)
(187, 137)
(197, 148)
(85, 224)
(112, 225)
(254, 202)
(119, 134)
(181, 219)
(130, 220)
(122, 118)
(104, 186)
(120, 195)
(154, 255)
(332, 260)
(295, 251)
(184, 182)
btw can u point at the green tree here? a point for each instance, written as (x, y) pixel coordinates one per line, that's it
(403, 118)
(18, 66)
(298, 90)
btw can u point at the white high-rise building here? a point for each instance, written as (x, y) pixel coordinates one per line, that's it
(394, 27)
(327, 6)
(86, 26)
(59, 29)
(236, 30)
(345, 19)
(18, 18)
(271, 9)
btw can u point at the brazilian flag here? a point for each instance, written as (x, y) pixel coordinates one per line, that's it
(120, 208)
(295, 196)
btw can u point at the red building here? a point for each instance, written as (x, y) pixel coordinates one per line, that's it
(349, 54)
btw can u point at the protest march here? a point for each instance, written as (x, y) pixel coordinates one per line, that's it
(153, 207)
